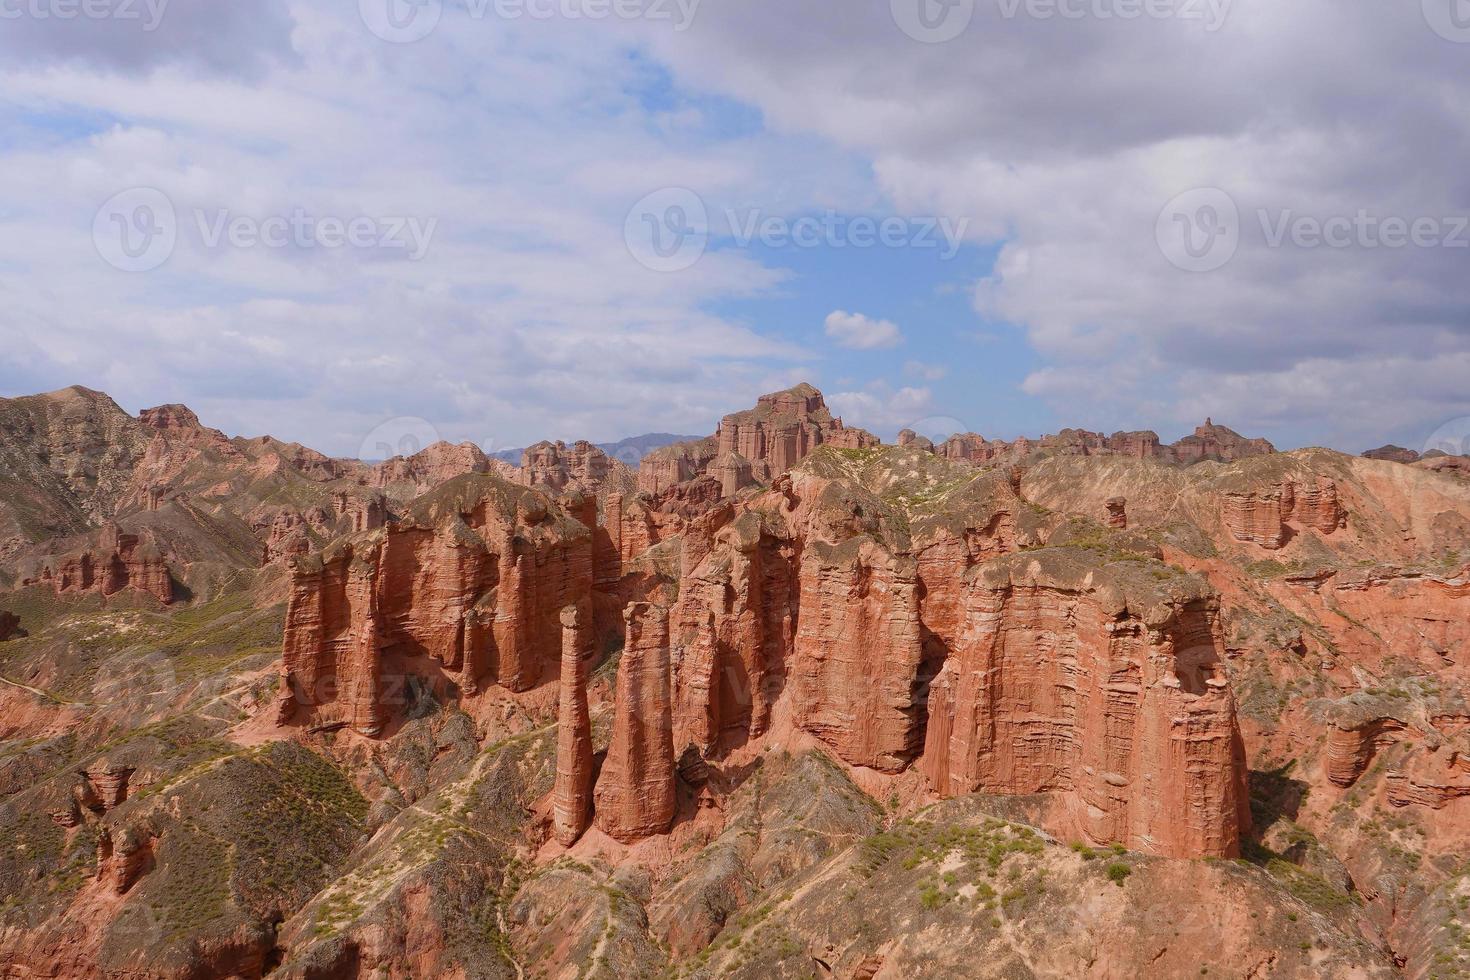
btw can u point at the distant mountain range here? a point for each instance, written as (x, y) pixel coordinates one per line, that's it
(628, 451)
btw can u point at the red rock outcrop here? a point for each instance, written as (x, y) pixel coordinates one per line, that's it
(1118, 513)
(859, 646)
(1104, 686)
(783, 429)
(1393, 454)
(9, 625)
(1263, 516)
(572, 795)
(891, 634)
(122, 858)
(473, 579)
(436, 464)
(734, 628)
(116, 561)
(1209, 441)
(581, 466)
(635, 795)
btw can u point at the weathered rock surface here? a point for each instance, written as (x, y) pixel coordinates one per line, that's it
(116, 561)
(1105, 685)
(1209, 442)
(572, 802)
(470, 583)
(1263, 516)
(635, 795)
(1393, 454)
(580, 466)
(1065, 633)
(9, 625)
(783, 429)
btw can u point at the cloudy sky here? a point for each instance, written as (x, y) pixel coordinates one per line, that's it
(503, 220)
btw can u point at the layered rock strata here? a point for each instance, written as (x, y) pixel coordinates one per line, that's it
(1104, 686)
(1263, 516)
(114, 562)
(783, 429)
(469, 584)
(581, 466)
(572, 795)
(635, 795)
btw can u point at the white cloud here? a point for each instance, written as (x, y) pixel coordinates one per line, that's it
(925, 372)
(1067, 172)
(858, 332)
(882, 409)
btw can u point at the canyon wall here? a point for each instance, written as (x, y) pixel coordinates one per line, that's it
(469, 585)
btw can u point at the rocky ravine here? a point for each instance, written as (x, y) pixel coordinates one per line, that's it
(791, 703)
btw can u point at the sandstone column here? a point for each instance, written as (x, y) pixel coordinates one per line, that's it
(572, 800)
(635, 793)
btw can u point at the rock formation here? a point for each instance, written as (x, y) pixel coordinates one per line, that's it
(473, 579)
(1209, 441)
(1393, 454)
(1263, 515)
(1118, 513)
(635, 795)
(782, 430)
(9, 625)
(1105, 686)
(582, 466)
(116, 561)
(572, 800)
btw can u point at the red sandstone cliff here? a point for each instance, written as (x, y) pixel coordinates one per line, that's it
(635, 794)
(114, 562)
(782, 430)
(1104, 686)
(471, 583)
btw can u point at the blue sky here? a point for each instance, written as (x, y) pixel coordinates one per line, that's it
(494, 169)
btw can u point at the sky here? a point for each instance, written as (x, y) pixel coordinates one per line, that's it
(508, 220)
